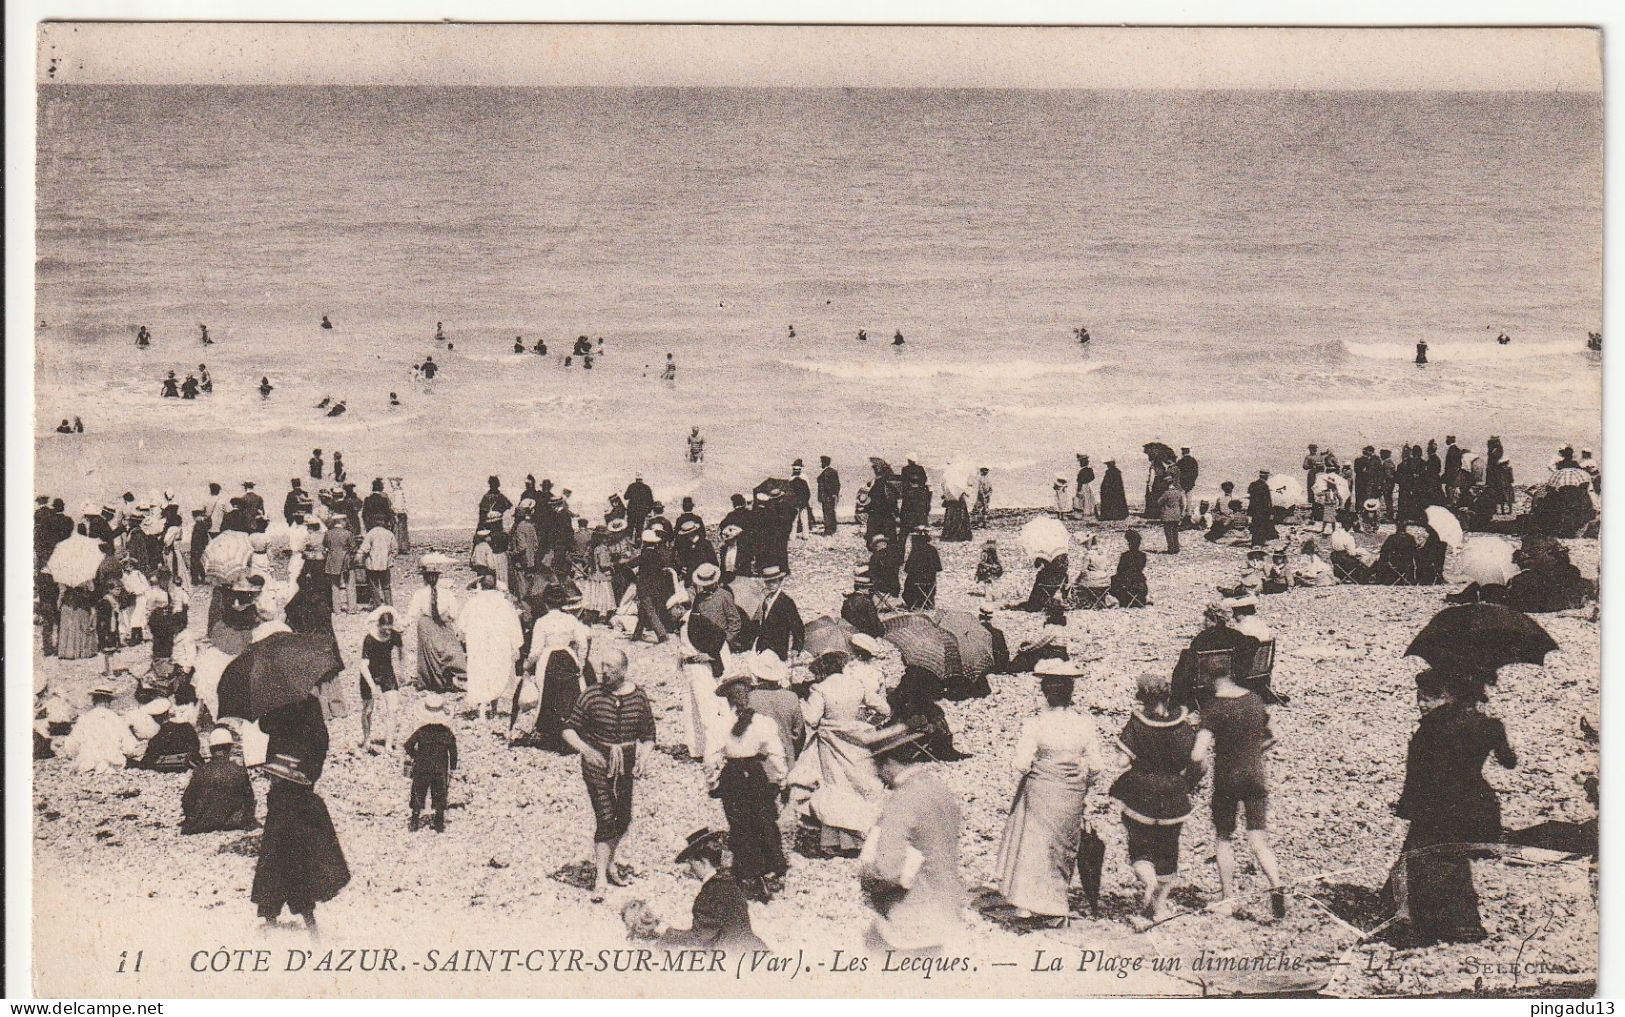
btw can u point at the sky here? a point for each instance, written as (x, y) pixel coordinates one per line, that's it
(821, 56)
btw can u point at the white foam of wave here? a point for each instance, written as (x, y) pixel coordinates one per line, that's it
(1221, 408)
(986, 370)
(1487, 351)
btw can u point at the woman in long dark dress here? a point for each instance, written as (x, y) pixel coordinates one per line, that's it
(1128, 582)
(955, 520)
(301, 863)
(1113, 502)
(1449, 807)
(920, 572)
(310, 609)
(561, 688)
(1047, 584)
(913, 701)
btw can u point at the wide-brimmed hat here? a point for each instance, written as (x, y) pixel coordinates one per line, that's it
(651, 536)
(689, 526)
(772, 572)
(729, 681)
(617, 526)
(700, 840)
(433, 703)
(219, 737)
(706, 574)
(1050, 667)
(731, 531)
(767, 667)
(434, 561)
(244, 584)
(867, 643)
(763, 497)
(286, 767)
(157, 707)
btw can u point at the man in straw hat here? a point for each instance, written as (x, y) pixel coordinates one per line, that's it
(778, 622)
(431, 753)
(910, 863)
(715, 603)
(858, 607)
(219, 795)
(301, 863)
(721, 913)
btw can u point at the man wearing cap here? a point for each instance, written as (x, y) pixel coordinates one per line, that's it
(910, 864)
(1261, 509)
(778, 622)
(338, 545)
(639, 500)
(829, 490)
(219, 796)
(301, 863)
(800, 501)
(721, 912)
(297, 502)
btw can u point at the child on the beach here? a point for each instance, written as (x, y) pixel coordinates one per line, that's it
(1155, 790)
(379, 648)
(1235, 735)
(989, 570)
(431, 756)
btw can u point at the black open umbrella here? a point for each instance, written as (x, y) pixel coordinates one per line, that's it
(275, 671)
(1157, 452)
(1477, 639)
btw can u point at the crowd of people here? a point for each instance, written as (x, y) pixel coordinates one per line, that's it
(781, 712)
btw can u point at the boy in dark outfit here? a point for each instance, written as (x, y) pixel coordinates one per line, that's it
(432, 750)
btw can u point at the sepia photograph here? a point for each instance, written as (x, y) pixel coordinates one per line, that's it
(744, 511)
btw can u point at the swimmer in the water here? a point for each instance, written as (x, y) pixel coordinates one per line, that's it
(1421, 353)
(430, 368)
(792, 332)
(540, 349)
(1503, 339)
(600, 345)
(325, 322)
(265, 387)
(518, 344)
(586, 361)
(897, 340)
(583, 346)
(205, 381)
(189, 387)
(863, 336)
(1594, 342)
(1083, 335)
(204, 329)
(439, 332)
(143, 338)
(394, 400)
(78, 426)
(64, 427)
(172, 388)
(337, 410)
(326, 400)
(669, 372)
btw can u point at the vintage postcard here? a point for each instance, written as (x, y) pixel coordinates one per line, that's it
(536, 510)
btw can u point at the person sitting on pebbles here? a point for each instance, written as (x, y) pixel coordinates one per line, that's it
(100, 739)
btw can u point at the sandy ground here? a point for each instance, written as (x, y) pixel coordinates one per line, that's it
(112, 874)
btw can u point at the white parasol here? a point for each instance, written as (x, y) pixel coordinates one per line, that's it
(1045, 538)
(1286, 491)
(1487, 560)
(75, 560)
(1445, 524)
(958, 480)
(1329, 481)
(227, 556)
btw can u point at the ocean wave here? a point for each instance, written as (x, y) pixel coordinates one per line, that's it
(1488, 351)
(1291, 409)
(983, 370)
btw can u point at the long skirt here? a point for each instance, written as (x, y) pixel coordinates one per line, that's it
(955, 522)
(705, 716)
(845, 804)
(597, 595)
(751, 803)
(442, 662)
(611, 796)
(300, 863)
(1040, 847)
(920, 594)
(561, 687)
(1083, 501)
(76, 639)
(1436, 886)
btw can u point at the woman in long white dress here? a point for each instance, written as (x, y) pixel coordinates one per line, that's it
(493, 635)
(837, 761)
(1057, 757)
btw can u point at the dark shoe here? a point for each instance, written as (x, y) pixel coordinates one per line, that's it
(440, 822)
(1278, 903)
(413, 823)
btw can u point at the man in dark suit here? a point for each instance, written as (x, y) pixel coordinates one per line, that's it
(778, 622)
(639, 500)
(829, 489)
(800, 500)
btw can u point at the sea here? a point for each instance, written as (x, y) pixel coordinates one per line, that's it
(1255, 269)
